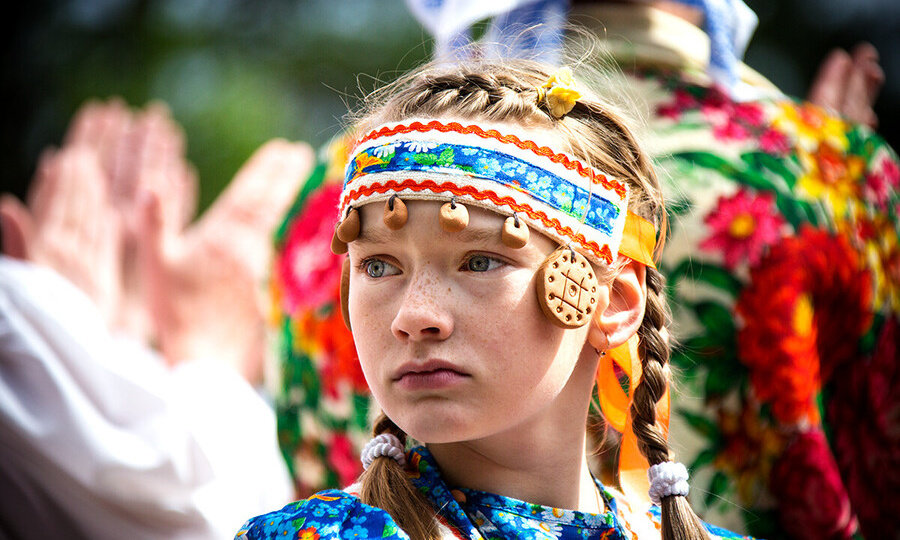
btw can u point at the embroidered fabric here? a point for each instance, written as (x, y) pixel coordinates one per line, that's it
(334, 515)
(555, 193)
(497, 167)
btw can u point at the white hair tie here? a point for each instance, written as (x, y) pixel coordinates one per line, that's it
(384, 445)
(667, 478)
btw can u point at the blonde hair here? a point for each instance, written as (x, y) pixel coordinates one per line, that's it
(595, 132)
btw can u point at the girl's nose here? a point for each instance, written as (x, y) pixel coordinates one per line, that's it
(423, 314)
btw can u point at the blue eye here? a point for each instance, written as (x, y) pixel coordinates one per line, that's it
(376, 268)
(482, 263)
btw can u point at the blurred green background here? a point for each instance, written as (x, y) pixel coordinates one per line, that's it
(236, 73)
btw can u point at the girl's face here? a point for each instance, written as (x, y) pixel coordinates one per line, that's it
(449, 332)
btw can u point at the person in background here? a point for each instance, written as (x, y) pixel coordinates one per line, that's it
(131, 337)
(756, 181)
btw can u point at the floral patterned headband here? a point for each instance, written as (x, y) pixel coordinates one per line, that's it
(549, 191)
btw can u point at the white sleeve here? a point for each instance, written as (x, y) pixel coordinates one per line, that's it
(99, 439)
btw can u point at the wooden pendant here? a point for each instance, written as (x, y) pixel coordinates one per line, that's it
(395, 213)
(515, 233)
(338, 247)
(348, 230)
(345, 292)
(454, 217)
(567, 288)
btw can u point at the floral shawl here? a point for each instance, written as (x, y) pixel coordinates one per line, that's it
(463, 514)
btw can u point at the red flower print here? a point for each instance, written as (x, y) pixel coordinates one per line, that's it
(750, 114)
(812, 501)
(332, 343)
(863, 413)
(306, 268)
(742, 226)
(730, 130)
(808, 303)
(682, 100)
(750, 445)
(774, 142)
(881, 182)
(308, 533)
(343, 459)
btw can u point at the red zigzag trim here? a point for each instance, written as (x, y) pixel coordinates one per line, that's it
(602, 253)
(562, 159)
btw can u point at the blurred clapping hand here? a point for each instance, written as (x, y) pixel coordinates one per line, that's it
(111, 211)
(69, 225)
(203, 281)
(848, 84)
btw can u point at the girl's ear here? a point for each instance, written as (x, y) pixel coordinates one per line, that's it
(624, 312)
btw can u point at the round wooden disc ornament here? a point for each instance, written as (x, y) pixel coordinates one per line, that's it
(567, 288)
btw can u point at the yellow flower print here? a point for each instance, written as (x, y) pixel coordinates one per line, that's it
(812, 126)
(364, 159)
(882, 248)
(832, 176)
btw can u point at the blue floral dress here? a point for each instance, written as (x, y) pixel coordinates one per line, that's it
(470, 514)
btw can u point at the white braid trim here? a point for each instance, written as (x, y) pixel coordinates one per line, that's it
(384, 445)
(667, 478)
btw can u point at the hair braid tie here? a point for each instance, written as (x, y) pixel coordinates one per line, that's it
(667, 478)
(384, 445)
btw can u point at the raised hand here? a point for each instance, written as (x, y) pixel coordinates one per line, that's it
(848, 84)
(139, 150)
(69, 225)
(203, 282)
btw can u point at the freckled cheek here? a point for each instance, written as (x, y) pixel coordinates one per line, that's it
(510, 317)
(370, 318)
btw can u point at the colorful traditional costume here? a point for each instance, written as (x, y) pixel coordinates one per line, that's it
(784, 263)
(464, 514)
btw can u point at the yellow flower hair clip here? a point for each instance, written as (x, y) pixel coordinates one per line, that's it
(559, 92)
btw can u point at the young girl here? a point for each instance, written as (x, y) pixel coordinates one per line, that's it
(501, 229)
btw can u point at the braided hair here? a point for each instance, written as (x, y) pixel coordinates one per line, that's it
(595, 132)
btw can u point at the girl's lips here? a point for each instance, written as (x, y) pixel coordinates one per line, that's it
(431, 375)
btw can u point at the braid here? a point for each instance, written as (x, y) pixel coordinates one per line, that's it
(596, 132)
(491, 96)
(386, 485)
(678, 519)
(654, 353)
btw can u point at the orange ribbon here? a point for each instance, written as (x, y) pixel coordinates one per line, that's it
(615, 389)
(638, 240)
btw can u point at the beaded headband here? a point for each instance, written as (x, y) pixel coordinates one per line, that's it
(552, 192)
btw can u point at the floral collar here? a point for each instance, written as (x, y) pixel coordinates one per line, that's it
(485, 515)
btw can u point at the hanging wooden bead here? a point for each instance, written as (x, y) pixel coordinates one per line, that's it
(515, 233)
(454, 217)
(395, 213)
(567, 288)
(338, 247)
(345, 292)
(348, 230)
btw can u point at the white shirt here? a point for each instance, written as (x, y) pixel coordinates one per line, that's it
(99, 439)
